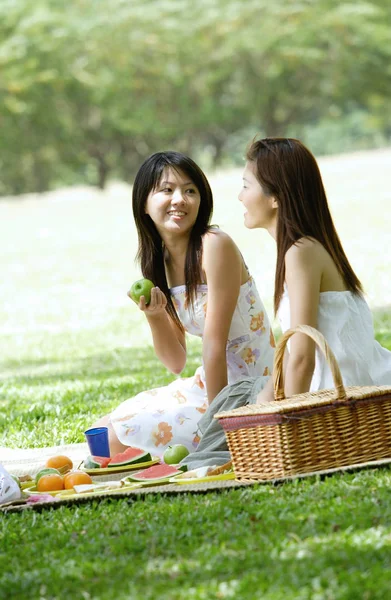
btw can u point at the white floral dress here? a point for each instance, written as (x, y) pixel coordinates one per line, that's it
(168, 415)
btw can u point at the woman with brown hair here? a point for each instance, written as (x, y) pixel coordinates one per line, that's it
(314, 282)
(314, 285)
(202, 287)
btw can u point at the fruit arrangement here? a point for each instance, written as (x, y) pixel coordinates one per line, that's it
(131, 456)
(58, 474)
(61, 477)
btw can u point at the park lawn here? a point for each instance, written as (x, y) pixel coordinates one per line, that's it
(312, 538)
(72, 347)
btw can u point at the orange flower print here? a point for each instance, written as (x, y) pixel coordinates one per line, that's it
(180, 397)
(203, 408)
(132, 430)
(250, 356)
(196, 440)
(162, 435)
(272, 340)
(256, 323)
(120, 419)
(266, 371)
(198, 381)
(205, 308)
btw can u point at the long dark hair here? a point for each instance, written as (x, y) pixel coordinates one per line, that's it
(151, 250)
(287, 170)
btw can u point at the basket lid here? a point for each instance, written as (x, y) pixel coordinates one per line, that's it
(307, 401)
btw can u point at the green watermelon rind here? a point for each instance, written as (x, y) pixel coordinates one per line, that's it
(142, 458)
(91, 463)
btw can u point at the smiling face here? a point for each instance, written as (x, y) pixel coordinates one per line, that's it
(261, 209)
(173, 205)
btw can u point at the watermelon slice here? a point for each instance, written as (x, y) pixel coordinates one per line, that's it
(156, 474)
(131, 456)
(96, 462)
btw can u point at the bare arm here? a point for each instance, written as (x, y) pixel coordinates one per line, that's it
(303, 279)
(222, 265)
(168, 340)
(267, 394)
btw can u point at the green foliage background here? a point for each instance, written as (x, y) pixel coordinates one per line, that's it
(90, 87)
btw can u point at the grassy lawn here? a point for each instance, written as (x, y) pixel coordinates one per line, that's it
(72, 347)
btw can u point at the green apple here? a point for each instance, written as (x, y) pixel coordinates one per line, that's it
(174, 454)
(46, 471)
(142, 287)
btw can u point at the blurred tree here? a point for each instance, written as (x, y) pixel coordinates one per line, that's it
(89, 88)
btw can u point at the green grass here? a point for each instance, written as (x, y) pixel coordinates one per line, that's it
(72, 347)
(304, 540)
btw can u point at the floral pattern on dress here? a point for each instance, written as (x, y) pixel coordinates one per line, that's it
(181, 418)
(170, 414)
(198, 381)
(132, 430)
(180, 397)
(250, 356)
(196, 440)
(163, 434)
(256, 323)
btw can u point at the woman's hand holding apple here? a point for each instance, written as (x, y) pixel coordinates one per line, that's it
(149, 298)
(156, 305)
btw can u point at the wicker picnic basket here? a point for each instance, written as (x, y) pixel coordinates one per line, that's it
(310, 432)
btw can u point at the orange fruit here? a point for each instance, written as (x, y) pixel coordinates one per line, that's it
(47, 471)
(76, 478)
(61, 463)
(50, 483)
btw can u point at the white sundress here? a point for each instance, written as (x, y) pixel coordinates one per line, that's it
(345, 320)
(168, 415)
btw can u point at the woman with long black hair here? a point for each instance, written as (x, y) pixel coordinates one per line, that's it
(202, 287)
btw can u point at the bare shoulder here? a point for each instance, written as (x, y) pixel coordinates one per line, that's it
(305, 251)
(217, 240)
(220, 254)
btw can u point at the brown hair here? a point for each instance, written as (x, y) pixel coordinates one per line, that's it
(287, 170)
(150, 253)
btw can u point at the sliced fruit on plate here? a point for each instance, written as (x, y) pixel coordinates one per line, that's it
(131, 456)
(96, 462)
(155, 474)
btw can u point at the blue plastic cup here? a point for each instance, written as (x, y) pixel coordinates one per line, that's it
(98, 441)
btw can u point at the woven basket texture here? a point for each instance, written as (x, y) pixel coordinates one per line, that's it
(308, 432)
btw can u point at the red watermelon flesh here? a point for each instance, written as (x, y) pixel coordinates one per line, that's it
(96, 462)
(156, 474)
(102, 460)
(131, 456)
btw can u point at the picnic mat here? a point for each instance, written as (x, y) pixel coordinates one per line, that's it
(173, 489)
(20, 461)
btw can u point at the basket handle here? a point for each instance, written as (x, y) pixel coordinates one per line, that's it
(278, 379)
